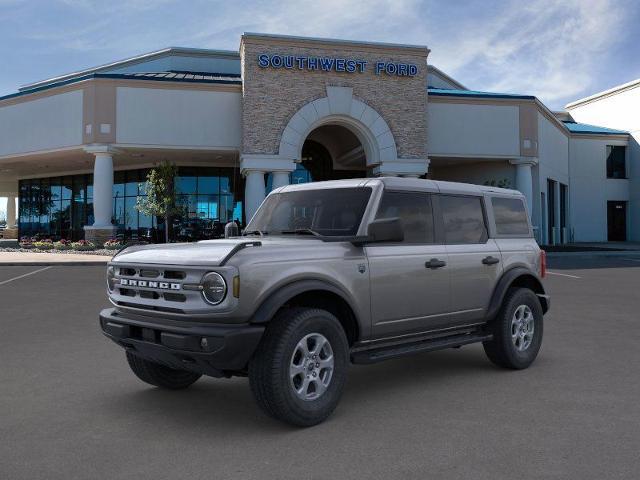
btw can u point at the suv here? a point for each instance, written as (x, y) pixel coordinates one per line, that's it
(332, 273)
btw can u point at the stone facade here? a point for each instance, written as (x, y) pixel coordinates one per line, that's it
(272, 96)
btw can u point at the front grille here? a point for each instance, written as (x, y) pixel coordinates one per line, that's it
(147, 291)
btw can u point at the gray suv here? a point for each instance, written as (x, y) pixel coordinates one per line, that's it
(332, 273)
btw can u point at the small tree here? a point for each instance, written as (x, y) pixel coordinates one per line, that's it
(160, 200)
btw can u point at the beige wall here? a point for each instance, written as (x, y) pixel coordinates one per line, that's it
(177, 117)
(272, 96)
(44, 123)
(473, 129)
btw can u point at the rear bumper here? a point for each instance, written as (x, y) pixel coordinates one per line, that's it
(210, 349)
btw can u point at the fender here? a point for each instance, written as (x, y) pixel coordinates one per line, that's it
(507, 279)
(279, 297)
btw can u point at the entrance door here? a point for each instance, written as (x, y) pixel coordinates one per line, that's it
(617, 221)
(410, 289)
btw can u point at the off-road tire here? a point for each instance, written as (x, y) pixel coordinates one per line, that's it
(501, 349)
(269, 374)
(159, 375)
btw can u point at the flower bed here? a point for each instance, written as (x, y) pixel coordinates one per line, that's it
(83, 245)
(114, 244)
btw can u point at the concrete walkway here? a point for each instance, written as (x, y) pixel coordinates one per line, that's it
(32, 258)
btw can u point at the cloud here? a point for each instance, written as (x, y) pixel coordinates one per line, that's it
(557, 50)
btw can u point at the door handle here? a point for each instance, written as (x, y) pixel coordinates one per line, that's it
(435, 263)
(490, 260)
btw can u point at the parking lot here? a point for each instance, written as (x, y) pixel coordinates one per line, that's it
(71, 409)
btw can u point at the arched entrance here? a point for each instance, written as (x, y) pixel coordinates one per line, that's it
(331, 152)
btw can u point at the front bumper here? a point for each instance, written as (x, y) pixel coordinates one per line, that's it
(210, 349)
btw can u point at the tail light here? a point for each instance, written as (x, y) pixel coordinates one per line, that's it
(543, 263)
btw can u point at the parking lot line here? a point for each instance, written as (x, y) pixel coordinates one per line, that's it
(25, 275)
(562, 274)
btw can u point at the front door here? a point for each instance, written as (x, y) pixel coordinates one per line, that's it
(617, 221)
(409, 280)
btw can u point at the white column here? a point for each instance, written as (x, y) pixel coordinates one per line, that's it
(103, 189)
(524, 179)
(11, 211)
(254, 192)
(557, 228)
(280, 179)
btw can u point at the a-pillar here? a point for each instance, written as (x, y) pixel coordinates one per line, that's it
(102, 228)
(524, 178)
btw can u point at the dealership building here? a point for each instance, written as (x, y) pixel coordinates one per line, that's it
(75, 149)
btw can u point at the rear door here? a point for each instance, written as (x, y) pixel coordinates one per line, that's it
(474, 258)
(409, 280)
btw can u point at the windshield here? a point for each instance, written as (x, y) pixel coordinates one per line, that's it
(327, 212)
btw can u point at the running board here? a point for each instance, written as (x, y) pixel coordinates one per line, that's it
(385, 353)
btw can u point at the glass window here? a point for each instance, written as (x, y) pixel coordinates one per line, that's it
(463, 219)
(616, 167)
(208, 185)
(510, 216)
(415, 212)
(118, 184)
(332, 212)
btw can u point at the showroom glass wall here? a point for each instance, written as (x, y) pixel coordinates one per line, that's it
(59, 207)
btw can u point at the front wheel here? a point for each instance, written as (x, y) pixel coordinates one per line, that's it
(159, 375)
(517, 330)
(299, 370)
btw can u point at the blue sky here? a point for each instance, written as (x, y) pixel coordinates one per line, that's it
(557, 50)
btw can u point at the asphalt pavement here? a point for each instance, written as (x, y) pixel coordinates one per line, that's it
(71, 409)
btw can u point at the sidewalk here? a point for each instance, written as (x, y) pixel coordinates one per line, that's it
(37, 259)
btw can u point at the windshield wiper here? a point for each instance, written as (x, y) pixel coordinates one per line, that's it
(302, 231)
(255, 232)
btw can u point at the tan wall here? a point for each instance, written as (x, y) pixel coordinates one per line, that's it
(272, 96)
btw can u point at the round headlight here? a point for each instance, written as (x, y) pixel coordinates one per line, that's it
(111, 278)
(214, 288)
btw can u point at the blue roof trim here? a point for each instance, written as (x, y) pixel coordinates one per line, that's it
(444, 92)
(585, 128)
(225, 80)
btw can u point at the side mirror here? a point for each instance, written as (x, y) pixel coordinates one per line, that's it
(386, 230)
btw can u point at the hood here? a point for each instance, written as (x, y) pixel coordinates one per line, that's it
(207, 252)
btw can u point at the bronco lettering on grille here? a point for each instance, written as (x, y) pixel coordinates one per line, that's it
(149, 284)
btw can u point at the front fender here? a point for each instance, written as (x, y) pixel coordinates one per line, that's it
(276, 299)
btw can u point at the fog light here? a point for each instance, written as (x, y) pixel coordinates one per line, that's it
(204, 343)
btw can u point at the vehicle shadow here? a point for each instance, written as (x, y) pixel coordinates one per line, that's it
(228, 406)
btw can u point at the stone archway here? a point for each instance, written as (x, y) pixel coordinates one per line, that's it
(339, 107)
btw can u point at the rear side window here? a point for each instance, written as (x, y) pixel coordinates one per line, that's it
(414, 209)
(510, 216)
(463, 219)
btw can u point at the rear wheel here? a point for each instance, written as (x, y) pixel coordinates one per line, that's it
(517, 330)
(159, 375)
(298, 373)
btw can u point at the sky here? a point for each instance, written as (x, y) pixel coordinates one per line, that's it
(557, 50)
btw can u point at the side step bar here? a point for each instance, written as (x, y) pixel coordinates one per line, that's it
(385, 353)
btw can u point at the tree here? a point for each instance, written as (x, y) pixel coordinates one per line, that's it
(161, 200)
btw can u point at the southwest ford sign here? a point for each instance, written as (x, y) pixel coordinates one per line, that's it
(335, 64)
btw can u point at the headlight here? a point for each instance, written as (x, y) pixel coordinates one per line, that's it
(111, 278)
(214, 288)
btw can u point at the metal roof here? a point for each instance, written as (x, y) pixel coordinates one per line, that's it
(444, 92)
(585, 128)
(186, 77)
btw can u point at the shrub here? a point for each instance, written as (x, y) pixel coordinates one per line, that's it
(46, 244)
(114, 244)
(62, 245)
(26, 242)
(83, 245)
